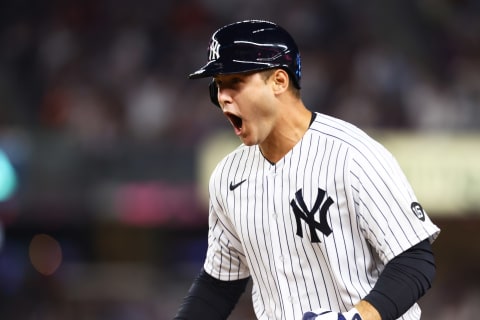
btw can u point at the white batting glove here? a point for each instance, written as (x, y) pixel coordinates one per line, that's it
(352, 314)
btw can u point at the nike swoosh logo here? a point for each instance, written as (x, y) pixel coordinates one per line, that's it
(236, 185)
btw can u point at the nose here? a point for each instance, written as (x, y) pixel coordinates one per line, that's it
(223, 97)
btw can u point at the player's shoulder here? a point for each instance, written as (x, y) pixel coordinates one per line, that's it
(345, 133)
(339, 129)
(235, 153)
(233, 159)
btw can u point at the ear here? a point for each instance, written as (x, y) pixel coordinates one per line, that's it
(280, 80)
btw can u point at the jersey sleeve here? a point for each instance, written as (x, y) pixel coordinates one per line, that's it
(225, 259)
(389, 213)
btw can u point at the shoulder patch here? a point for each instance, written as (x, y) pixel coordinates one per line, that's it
(418, 210)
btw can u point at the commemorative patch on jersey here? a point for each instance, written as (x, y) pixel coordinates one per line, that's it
(418, 210)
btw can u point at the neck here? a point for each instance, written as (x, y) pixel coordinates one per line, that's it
(289, 130)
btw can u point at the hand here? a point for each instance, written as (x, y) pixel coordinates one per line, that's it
(352, 314)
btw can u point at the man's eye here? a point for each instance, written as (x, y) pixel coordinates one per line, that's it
(234, 82)
(229, 83)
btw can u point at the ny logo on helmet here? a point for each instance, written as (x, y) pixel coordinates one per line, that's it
(214, 51)
(303, 213)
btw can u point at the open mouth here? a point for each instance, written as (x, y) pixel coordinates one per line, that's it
(236, 121)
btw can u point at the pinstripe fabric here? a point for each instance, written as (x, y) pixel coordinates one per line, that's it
(253, 228)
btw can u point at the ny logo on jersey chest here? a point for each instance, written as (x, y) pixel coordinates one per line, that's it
(308, 215)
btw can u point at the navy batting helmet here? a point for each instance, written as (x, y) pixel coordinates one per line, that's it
(251, 45)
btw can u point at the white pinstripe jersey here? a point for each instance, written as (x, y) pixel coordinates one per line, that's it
(264, 227)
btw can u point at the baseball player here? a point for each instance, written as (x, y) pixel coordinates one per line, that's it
(313, 210)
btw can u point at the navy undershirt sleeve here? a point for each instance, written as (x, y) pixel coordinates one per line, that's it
(404, 280)
(210, 298)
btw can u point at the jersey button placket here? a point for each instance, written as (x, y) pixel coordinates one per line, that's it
(272, 195)
(274, 180)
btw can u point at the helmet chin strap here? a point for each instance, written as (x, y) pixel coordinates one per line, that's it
(212, 87)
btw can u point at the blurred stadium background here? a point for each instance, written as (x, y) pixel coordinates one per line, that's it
(104, 216)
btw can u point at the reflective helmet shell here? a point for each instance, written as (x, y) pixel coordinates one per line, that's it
(251, 45)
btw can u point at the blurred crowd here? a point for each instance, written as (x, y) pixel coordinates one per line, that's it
(93, 89)
(99, 120)
(103, 73)
(106, 71)
(99, 82)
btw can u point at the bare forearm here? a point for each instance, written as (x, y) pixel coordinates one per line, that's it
(367, 311)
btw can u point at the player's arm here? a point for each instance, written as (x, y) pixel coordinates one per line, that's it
(210, 298)
(404, 280)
